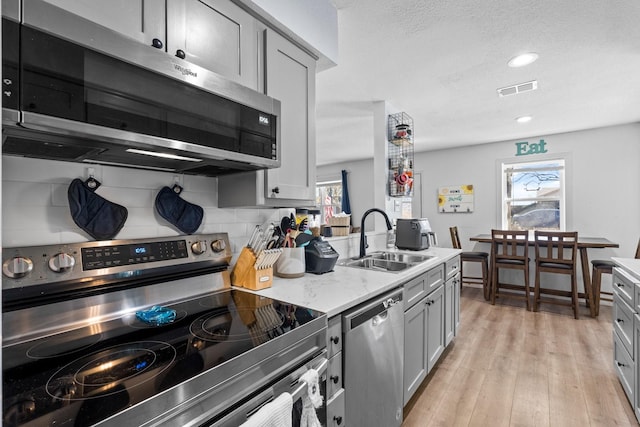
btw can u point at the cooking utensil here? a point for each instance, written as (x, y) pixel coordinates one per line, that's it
(303, 239)
(253, 238)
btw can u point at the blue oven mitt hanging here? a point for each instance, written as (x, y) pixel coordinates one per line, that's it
(99, 217)
(185, 216)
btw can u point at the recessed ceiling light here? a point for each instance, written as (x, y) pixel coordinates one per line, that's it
(522, 60)
(524, 119)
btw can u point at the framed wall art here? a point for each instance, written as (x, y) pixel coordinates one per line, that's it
(455, 199)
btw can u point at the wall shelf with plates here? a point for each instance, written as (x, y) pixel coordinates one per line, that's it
(400, 154)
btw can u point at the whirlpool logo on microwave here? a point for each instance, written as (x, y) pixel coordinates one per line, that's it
(185, 71)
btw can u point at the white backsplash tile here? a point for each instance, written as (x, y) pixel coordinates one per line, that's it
(20, 193)
(35, 205)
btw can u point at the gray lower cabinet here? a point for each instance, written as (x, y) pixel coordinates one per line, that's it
(626, 334)
(452, 299)
(424, 327)
(451, 302)
(214, 34)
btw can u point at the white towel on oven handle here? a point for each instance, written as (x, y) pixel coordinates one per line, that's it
(276, 413)
(311, 399)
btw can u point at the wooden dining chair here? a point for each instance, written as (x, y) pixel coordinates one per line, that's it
(478, 257)
(556, 252)
(509, 250)
(600, 267)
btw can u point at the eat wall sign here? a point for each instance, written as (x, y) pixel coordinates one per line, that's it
(525, 148)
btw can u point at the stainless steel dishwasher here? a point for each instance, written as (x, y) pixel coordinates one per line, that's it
(373, 361)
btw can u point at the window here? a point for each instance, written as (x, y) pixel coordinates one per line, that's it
(329, 198)
(533, 195)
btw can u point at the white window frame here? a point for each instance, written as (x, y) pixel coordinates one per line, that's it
(564, 200)
(337, 209)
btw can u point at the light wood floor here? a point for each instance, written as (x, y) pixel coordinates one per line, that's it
(512, 367)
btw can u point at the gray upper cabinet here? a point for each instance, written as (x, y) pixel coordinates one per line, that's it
(214, 34)
(289, 77)
(142, 20)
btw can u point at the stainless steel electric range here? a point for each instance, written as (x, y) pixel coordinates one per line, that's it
(78, 348)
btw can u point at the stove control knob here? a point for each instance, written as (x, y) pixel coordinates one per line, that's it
(218, 245)
(61, 262)
(17, 267)
(198, 247)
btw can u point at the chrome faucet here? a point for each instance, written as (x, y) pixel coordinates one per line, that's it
(363, 244)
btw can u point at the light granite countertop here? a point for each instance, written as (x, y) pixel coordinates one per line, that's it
(632, 265)
(346, 287)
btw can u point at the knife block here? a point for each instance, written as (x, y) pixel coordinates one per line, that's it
(245, 274)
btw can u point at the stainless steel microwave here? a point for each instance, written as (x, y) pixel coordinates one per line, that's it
(76, 91)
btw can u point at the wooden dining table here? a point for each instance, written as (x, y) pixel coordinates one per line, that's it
(584, 243)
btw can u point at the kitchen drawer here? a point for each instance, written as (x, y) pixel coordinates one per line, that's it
(624, 286)
(334, 336)
(334, 375)
(416, 289)
(623, 323)
(335, 410)
(625, 368)
(452, 267)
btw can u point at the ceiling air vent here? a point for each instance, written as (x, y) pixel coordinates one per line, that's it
(519, 88)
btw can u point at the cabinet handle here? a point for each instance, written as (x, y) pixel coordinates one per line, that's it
(620, 364)
(619, 320)
(157, 43)
(275, 190)
(429, 302)
(335, 340)
(180, 54)
(337, 419)
(335, 378)
(620, 285)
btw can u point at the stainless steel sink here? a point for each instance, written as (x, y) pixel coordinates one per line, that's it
(400, 257)
(385, 261)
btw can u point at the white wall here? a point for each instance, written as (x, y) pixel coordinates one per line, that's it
(603, 192)
(35, 207)
(602, 184)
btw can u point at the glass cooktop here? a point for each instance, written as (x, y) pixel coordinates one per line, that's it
(88, 374)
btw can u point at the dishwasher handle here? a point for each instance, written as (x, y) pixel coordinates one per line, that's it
(376, 307)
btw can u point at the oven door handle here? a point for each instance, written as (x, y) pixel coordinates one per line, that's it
(268, 395)
(265, 397)
(302, 386)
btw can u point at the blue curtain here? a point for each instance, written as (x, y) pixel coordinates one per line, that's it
(346, 205)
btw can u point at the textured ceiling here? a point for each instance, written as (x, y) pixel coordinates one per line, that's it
(442, 61)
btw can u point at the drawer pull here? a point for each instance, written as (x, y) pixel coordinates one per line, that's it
(619, 320)
(335, 340)
(620, 285)
(335, 378)
(620, 364)
(338, 419)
